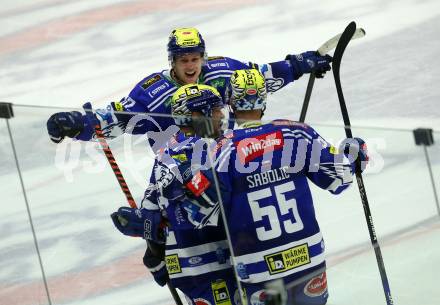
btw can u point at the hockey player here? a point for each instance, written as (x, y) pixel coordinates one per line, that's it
(197, 261)
(263, 171)
(189, 64)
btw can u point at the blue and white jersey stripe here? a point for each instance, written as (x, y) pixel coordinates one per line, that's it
(257, 265)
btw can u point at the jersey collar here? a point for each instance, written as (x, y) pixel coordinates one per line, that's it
(250, 124)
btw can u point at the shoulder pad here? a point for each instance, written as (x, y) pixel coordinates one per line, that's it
(289, 123)
(215, 58)
(150, 80)
(218, 64)
(154, 85)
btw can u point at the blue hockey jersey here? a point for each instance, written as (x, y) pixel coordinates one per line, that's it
(263, 173)
(193, 257)
(153, 95)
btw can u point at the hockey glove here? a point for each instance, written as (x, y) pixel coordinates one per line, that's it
(64, 124)
(154, 260)
(357, 153)
(309, 62)
(140, 223)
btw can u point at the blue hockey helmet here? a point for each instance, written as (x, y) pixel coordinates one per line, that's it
(185, 40)
(194, 98)
(247, 90)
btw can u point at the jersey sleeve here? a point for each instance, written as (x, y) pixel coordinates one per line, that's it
(325, 165)
(134, 114)
(151, 194)
(277, 74)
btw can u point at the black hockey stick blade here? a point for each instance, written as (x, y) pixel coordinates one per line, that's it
(336, 67)
(337, 57)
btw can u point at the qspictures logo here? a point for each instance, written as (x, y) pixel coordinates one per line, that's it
(288, 259)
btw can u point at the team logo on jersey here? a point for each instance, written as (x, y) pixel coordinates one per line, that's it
(317, 286)
(173, 265)
(163, 175)
(250, 148)
(217, 83)
(220, 292)
(242, 271)
(150, 81)
(288, 259)
(274, 84)
(200, 301)
(195, 260)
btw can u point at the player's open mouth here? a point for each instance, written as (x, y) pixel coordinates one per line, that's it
(190, 74)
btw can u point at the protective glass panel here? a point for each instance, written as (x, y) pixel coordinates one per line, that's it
(71, 191)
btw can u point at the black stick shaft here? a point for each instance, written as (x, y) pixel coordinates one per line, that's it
(343, 42)
(309, 89)
(108, 154)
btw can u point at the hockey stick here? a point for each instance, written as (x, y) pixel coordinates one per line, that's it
(108, 153)
(124, 187)
(337, 57)
(324, 49)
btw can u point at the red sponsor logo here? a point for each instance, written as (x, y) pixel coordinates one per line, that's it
(200, 301)
(316, 286)
(258, 298)
(198, 184)
(251, 91)
(251, 148)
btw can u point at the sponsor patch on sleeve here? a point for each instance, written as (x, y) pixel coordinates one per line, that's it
(250, 148)
(150, 81)
(288, 259)
(198, 184)
(334, 150)
(215, 57)
(118, 106)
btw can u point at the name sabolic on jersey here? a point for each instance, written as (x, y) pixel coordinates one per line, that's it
(193, 257)
(263, 173)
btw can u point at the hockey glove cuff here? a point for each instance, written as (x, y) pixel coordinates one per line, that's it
(156, 265)
(309, 62)
(357, 153)
(140, 223)
(65, 124)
